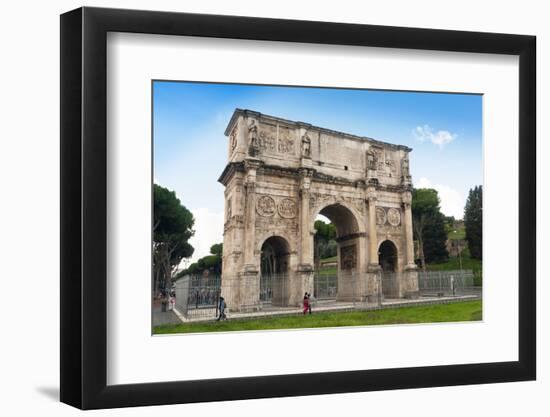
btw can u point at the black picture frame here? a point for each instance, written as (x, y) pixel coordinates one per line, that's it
(84, 207)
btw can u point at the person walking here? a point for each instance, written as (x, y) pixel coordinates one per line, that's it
(306, 303)
(222, 309)
(309, 301)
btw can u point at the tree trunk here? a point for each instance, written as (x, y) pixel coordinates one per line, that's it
(421, 254)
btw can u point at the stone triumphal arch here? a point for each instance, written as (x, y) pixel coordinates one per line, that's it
(280, 175)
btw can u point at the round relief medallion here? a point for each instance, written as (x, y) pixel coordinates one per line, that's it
(265, 206)
(287, 208)
(380, 215)
(394, 217)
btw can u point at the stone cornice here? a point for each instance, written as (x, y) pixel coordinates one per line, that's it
(350, 237)
(229, 170)
(244, 112)
(263, 169)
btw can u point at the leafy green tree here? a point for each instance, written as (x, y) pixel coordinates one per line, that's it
(217, 249)
(449, 223)
(172, 229)
(429, 226)
(192, 270)
(473, 221)
(212, 262)
(324, 243)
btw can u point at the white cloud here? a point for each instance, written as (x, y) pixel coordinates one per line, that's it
(439, 138)
(208, 231)
(452, 202)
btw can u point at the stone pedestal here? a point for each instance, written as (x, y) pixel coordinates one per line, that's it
(249, 288)
(410, 282)
(302, 282)
(374, 283)
(346, 286)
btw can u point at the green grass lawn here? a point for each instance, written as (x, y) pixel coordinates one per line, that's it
(437, 313)
(328, 271)
(457, 234)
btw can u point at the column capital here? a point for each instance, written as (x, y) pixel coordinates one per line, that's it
(371, 195)
(361, 184)
(305, 186)
(305, 172)
(252, 164)
(406, 197)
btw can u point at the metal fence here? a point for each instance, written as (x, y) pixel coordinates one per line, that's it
(198, 297)
(447, 283)
(325, 287)
(391, 284)
(273, 288)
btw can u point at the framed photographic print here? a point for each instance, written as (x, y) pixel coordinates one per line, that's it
(257, 208)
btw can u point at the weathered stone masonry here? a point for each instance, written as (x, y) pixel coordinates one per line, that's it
(281, 174)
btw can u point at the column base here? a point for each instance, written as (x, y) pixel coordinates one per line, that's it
(305, 268)
(374, 283)
(302, 283)
(250, 269)
(410, 267)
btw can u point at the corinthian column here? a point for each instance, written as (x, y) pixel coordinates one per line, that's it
(250, 224)
(306, 259)
(373, 239)
(408, 225)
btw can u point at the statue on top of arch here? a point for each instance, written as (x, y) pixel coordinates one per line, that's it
(372, 160)
(253, 145)
(306, 146)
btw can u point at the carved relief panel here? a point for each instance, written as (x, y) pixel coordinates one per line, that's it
(265, 206)
(267, 138)
(276, 139)
(287, 139)
(389, 220)
(388, 217)
(277, 213)
(394, 217)
(348, 257)
(287, 208)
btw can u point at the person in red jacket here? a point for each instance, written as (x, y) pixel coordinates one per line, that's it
(306, 303)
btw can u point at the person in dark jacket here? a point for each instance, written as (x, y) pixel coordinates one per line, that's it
(222, 306)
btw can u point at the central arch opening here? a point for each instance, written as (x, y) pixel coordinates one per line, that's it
(336, 251)
(274, 262)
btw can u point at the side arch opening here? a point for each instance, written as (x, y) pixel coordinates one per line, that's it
(387, 259)
(274, 265)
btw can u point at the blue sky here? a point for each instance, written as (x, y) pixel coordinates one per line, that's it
(190, 149)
